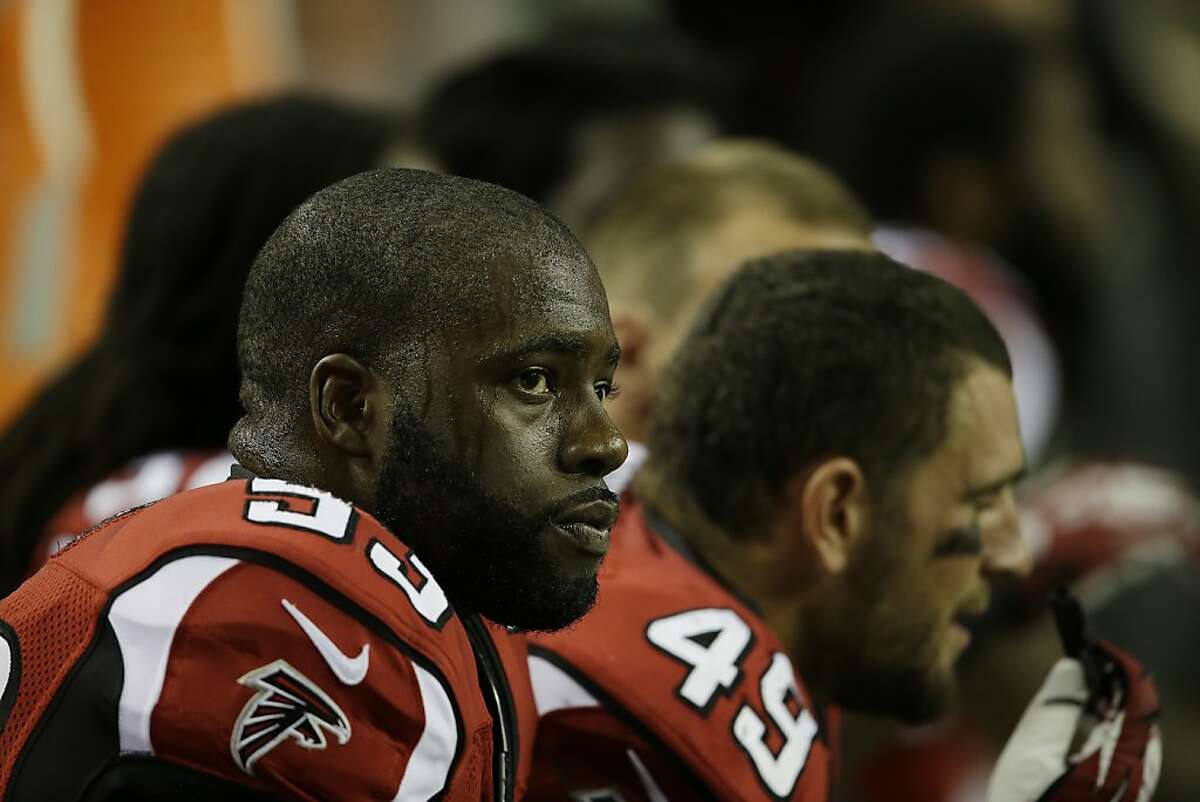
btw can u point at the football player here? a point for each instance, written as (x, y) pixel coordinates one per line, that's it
(827, 494)
(1123, 535)
(425, 361)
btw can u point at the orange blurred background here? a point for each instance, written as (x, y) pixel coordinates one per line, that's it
(89, 89)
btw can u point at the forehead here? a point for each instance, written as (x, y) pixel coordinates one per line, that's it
(525, 295)
(983, 437)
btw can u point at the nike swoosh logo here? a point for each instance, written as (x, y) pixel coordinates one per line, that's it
(349, 670)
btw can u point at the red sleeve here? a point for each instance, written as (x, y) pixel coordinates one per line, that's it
(246, 672)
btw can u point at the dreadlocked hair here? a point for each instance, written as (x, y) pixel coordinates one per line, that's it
(163, 373)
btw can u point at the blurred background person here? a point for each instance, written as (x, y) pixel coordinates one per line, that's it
(1059, 133)
(669, 238)
(955, 125)
(162, 375)
(567, 121)
(1056, 133)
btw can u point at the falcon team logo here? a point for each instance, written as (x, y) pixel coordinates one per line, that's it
(287, 705)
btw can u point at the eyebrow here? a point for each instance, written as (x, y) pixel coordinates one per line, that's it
(993, 487)
(576, 345)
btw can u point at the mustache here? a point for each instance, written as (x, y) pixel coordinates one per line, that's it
(582, 497)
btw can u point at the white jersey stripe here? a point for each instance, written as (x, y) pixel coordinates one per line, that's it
(619, 480)
(554, 689)
(144, 619)
(6, 664)
(429, 765)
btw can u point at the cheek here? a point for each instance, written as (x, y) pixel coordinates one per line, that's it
(516, 449)
(912, 616)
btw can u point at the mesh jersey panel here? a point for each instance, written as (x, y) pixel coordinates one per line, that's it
(54, 619)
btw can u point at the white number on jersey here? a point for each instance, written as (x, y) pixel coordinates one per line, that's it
(415, 580)
(779, 772)
(711, 640)
(330, 516)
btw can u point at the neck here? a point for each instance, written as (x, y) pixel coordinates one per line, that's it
(291, 461)
(760, 569)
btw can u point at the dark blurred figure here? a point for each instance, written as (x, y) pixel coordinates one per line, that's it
(163, 372)
(1143, 59)
(930, 119)
(778, 48)
(953, 123)
(569, 120)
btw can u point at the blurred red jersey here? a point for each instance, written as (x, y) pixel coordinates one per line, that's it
(672, 688)
(265, 634)
(142, 481)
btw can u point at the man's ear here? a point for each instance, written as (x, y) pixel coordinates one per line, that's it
(831, 505)
(636, 375)
(634, 335)
(347, 401)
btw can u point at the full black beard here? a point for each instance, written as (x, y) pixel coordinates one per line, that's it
(486, 554)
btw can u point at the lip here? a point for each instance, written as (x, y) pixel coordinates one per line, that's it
(589, 526)
(961, 634)
(962, 625)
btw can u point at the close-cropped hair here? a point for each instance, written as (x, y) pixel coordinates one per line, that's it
(643, 241)
(370, 267)
(806, 355)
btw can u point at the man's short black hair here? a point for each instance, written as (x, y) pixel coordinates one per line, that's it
(367, 267)
(809, 354)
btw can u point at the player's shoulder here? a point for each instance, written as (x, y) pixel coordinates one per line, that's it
(259, 623)
(307, 533)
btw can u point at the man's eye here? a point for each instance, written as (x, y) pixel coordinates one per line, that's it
(535, 381)
(987, 503)
(961, 541)
(607, 390)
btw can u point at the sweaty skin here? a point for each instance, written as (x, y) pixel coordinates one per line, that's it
(524, 404)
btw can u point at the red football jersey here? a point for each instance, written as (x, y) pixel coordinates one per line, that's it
(672, 688)
(261, 632)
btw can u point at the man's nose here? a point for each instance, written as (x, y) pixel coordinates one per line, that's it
(594, 446)
(1004, 548)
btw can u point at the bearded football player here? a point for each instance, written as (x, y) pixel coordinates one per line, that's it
(827, 496)
(425, 361)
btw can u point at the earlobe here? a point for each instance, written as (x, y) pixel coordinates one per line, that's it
(343, 396)
(832, 501)
(634, 335)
